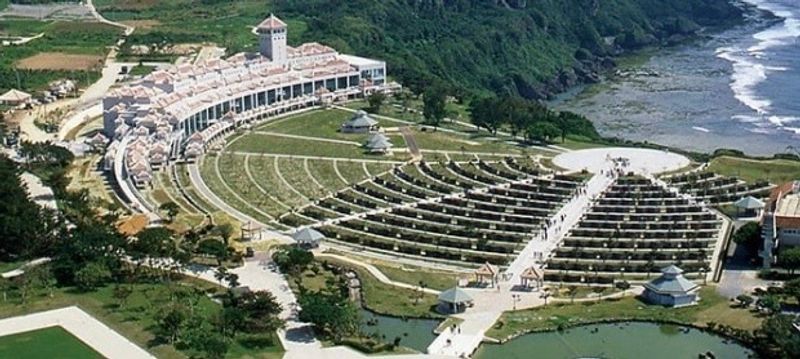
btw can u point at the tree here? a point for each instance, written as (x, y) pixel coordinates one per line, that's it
(260, 310)
(330, 312)
(749, 236)
(170, 324)
(376, 101)
(224, 231)
(171, 208)
(214, 248)
(744, 300)
(790, 259)
(292, 259)
(484, 115)
(792, 288)
(542, 131)
(770, 303)
(92, 276)
(433, 105)
(778, 337)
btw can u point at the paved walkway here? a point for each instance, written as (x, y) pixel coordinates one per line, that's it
(39, 193)
(539, 249)
(308, 138)
(89, 330)
(411, 142)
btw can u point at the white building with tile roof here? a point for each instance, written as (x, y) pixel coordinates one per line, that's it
(207, 100)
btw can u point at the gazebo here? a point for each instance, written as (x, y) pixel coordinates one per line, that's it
(360, 123)
(671, 289)
(15, 97)
(308, 237)
(250, 228)
(378, 143)
(486, 271)
(454, 300)
(750, 205)
(531, 274)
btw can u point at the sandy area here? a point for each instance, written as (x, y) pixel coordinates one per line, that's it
(60, 61)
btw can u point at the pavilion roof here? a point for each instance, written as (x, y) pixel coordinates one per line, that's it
(671, 281)
(15, 95)
(531, 273)
(378, 141)
(486, 270)
(361, 119)
(455, 295)
(307, 235)
(749, 202)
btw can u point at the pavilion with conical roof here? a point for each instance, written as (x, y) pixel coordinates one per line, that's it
(671, 289)
(454, 300)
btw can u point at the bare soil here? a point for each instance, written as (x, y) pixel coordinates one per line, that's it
(60, 61)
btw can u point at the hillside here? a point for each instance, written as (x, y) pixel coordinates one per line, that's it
(533, 48)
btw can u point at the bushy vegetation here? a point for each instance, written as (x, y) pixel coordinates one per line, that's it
(529, 118)
(95, 265)
(468, 45)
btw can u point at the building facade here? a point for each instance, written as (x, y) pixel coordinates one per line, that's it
(178, 112)
(781, 222)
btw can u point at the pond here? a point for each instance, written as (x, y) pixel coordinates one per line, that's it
(618, 340)
(416, 334)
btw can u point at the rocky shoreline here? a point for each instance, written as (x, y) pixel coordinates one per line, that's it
(590, 68)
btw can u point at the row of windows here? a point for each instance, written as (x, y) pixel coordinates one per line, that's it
(202, 119)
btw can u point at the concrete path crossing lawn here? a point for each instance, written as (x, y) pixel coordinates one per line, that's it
(91, 331)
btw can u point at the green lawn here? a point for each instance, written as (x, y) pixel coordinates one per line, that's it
(264, 143)
(711, 308)
(387, 299)
(53, 342)
(775, 171)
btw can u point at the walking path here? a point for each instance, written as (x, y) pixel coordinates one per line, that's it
(89, 330)
(302, 157)
(38, 192)
(374, 271)
(258, 185)
(411, 143)
(285, 182)
(309, 138)
(198, 183)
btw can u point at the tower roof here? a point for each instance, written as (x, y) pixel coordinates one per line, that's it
(270, 23)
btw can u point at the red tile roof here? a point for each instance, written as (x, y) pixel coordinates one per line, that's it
(272, 22)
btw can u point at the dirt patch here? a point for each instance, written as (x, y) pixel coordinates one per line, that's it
(60, 61)
(142, 24)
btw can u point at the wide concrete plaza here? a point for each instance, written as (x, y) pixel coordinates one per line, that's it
(640, 160)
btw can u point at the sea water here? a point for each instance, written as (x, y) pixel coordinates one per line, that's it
(738, 89)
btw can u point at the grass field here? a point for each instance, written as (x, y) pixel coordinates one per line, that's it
(271, 144)
(379, 297)
(53, 342)
(711, 308)
(775, 171)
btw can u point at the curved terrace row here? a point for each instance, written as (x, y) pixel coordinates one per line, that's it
(184, 108)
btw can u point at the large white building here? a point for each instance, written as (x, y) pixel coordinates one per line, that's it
(179, 111)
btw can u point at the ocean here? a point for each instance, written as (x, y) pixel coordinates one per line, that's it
(738, 89)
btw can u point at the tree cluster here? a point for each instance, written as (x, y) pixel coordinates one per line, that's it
(530, 119)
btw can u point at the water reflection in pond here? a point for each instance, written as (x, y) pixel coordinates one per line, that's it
(620, 340)
(416, 334)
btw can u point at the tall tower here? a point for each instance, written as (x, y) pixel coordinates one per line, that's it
(272, 39)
